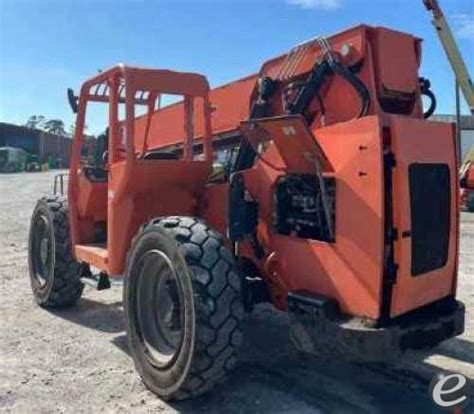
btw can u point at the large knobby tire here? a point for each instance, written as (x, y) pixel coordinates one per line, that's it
(54, 273)
(183, 307)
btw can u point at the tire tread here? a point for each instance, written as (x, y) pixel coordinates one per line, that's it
(218, 304)
(67, 287)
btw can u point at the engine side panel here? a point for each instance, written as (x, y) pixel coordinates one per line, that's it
(350, 269)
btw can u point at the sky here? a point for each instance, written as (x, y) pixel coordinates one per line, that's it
(47, 46)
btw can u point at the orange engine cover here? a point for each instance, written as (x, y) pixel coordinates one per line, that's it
(352, 268)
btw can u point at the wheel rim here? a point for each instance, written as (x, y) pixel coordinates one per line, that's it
(159, 308)
(42, 250)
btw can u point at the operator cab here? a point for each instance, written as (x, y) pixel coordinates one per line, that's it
(124, 169)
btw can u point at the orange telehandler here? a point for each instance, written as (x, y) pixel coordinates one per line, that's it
(315, 184)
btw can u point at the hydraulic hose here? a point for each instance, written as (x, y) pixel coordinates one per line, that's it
(311, 87)
(356, 83)
(317, 77)
(432, 107)
(425, 86)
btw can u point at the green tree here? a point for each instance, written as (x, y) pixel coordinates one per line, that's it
(35, 121)
(54, 126)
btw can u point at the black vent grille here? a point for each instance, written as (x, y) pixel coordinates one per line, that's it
(430, 212)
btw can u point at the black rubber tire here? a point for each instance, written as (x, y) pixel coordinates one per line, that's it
(63, 287)
(470, 201)
(213, 309)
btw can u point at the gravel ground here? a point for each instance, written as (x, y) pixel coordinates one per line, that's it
(77, 360)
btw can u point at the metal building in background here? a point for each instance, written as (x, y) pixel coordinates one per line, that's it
(47, 147)
(467, 131)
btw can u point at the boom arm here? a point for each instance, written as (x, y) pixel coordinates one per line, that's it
(452, 51)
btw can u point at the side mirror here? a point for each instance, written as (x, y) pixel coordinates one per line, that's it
(72, 100)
